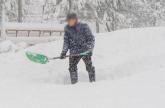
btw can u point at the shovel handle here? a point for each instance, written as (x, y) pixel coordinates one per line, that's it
(75, 55)
(54, 58)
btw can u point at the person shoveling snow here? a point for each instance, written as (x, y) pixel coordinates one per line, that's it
(79, 39)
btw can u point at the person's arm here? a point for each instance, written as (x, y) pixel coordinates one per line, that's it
(90, 38)
(66, 42)
(65, 45)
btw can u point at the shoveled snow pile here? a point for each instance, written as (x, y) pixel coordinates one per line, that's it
(130, 66)
(9, 46)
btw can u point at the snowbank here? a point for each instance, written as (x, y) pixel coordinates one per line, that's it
(9, 46)
(130, 67)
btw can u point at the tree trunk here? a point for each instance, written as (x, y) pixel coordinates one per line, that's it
(2, 19)
(97, 26)
(71, 6)
(108, 28)
(20, 12)
(113, 22)
(1, 3)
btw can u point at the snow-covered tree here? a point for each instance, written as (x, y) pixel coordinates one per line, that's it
(103, 15)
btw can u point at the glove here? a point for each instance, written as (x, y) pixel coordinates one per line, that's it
(63, 55)
(87, 53)
(90, 53)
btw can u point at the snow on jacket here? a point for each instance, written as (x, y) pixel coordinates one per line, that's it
(78, 39)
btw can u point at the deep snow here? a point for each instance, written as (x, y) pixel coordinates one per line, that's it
(130, 67)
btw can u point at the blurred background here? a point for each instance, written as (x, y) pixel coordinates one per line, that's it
(101, 15)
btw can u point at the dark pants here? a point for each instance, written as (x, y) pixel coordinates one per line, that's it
(73, 62)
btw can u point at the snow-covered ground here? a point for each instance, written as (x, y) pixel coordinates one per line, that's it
(130, 66)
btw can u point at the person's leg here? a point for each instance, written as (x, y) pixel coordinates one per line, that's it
(73, 61)
(90, 68)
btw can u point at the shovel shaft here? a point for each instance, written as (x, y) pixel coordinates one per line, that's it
(54, 58)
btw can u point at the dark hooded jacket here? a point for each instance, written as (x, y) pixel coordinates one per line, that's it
(78, 39)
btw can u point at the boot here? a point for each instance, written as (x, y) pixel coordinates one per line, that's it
(92, 76)
(74, 77)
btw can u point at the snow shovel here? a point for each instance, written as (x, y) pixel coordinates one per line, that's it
(42, 59)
